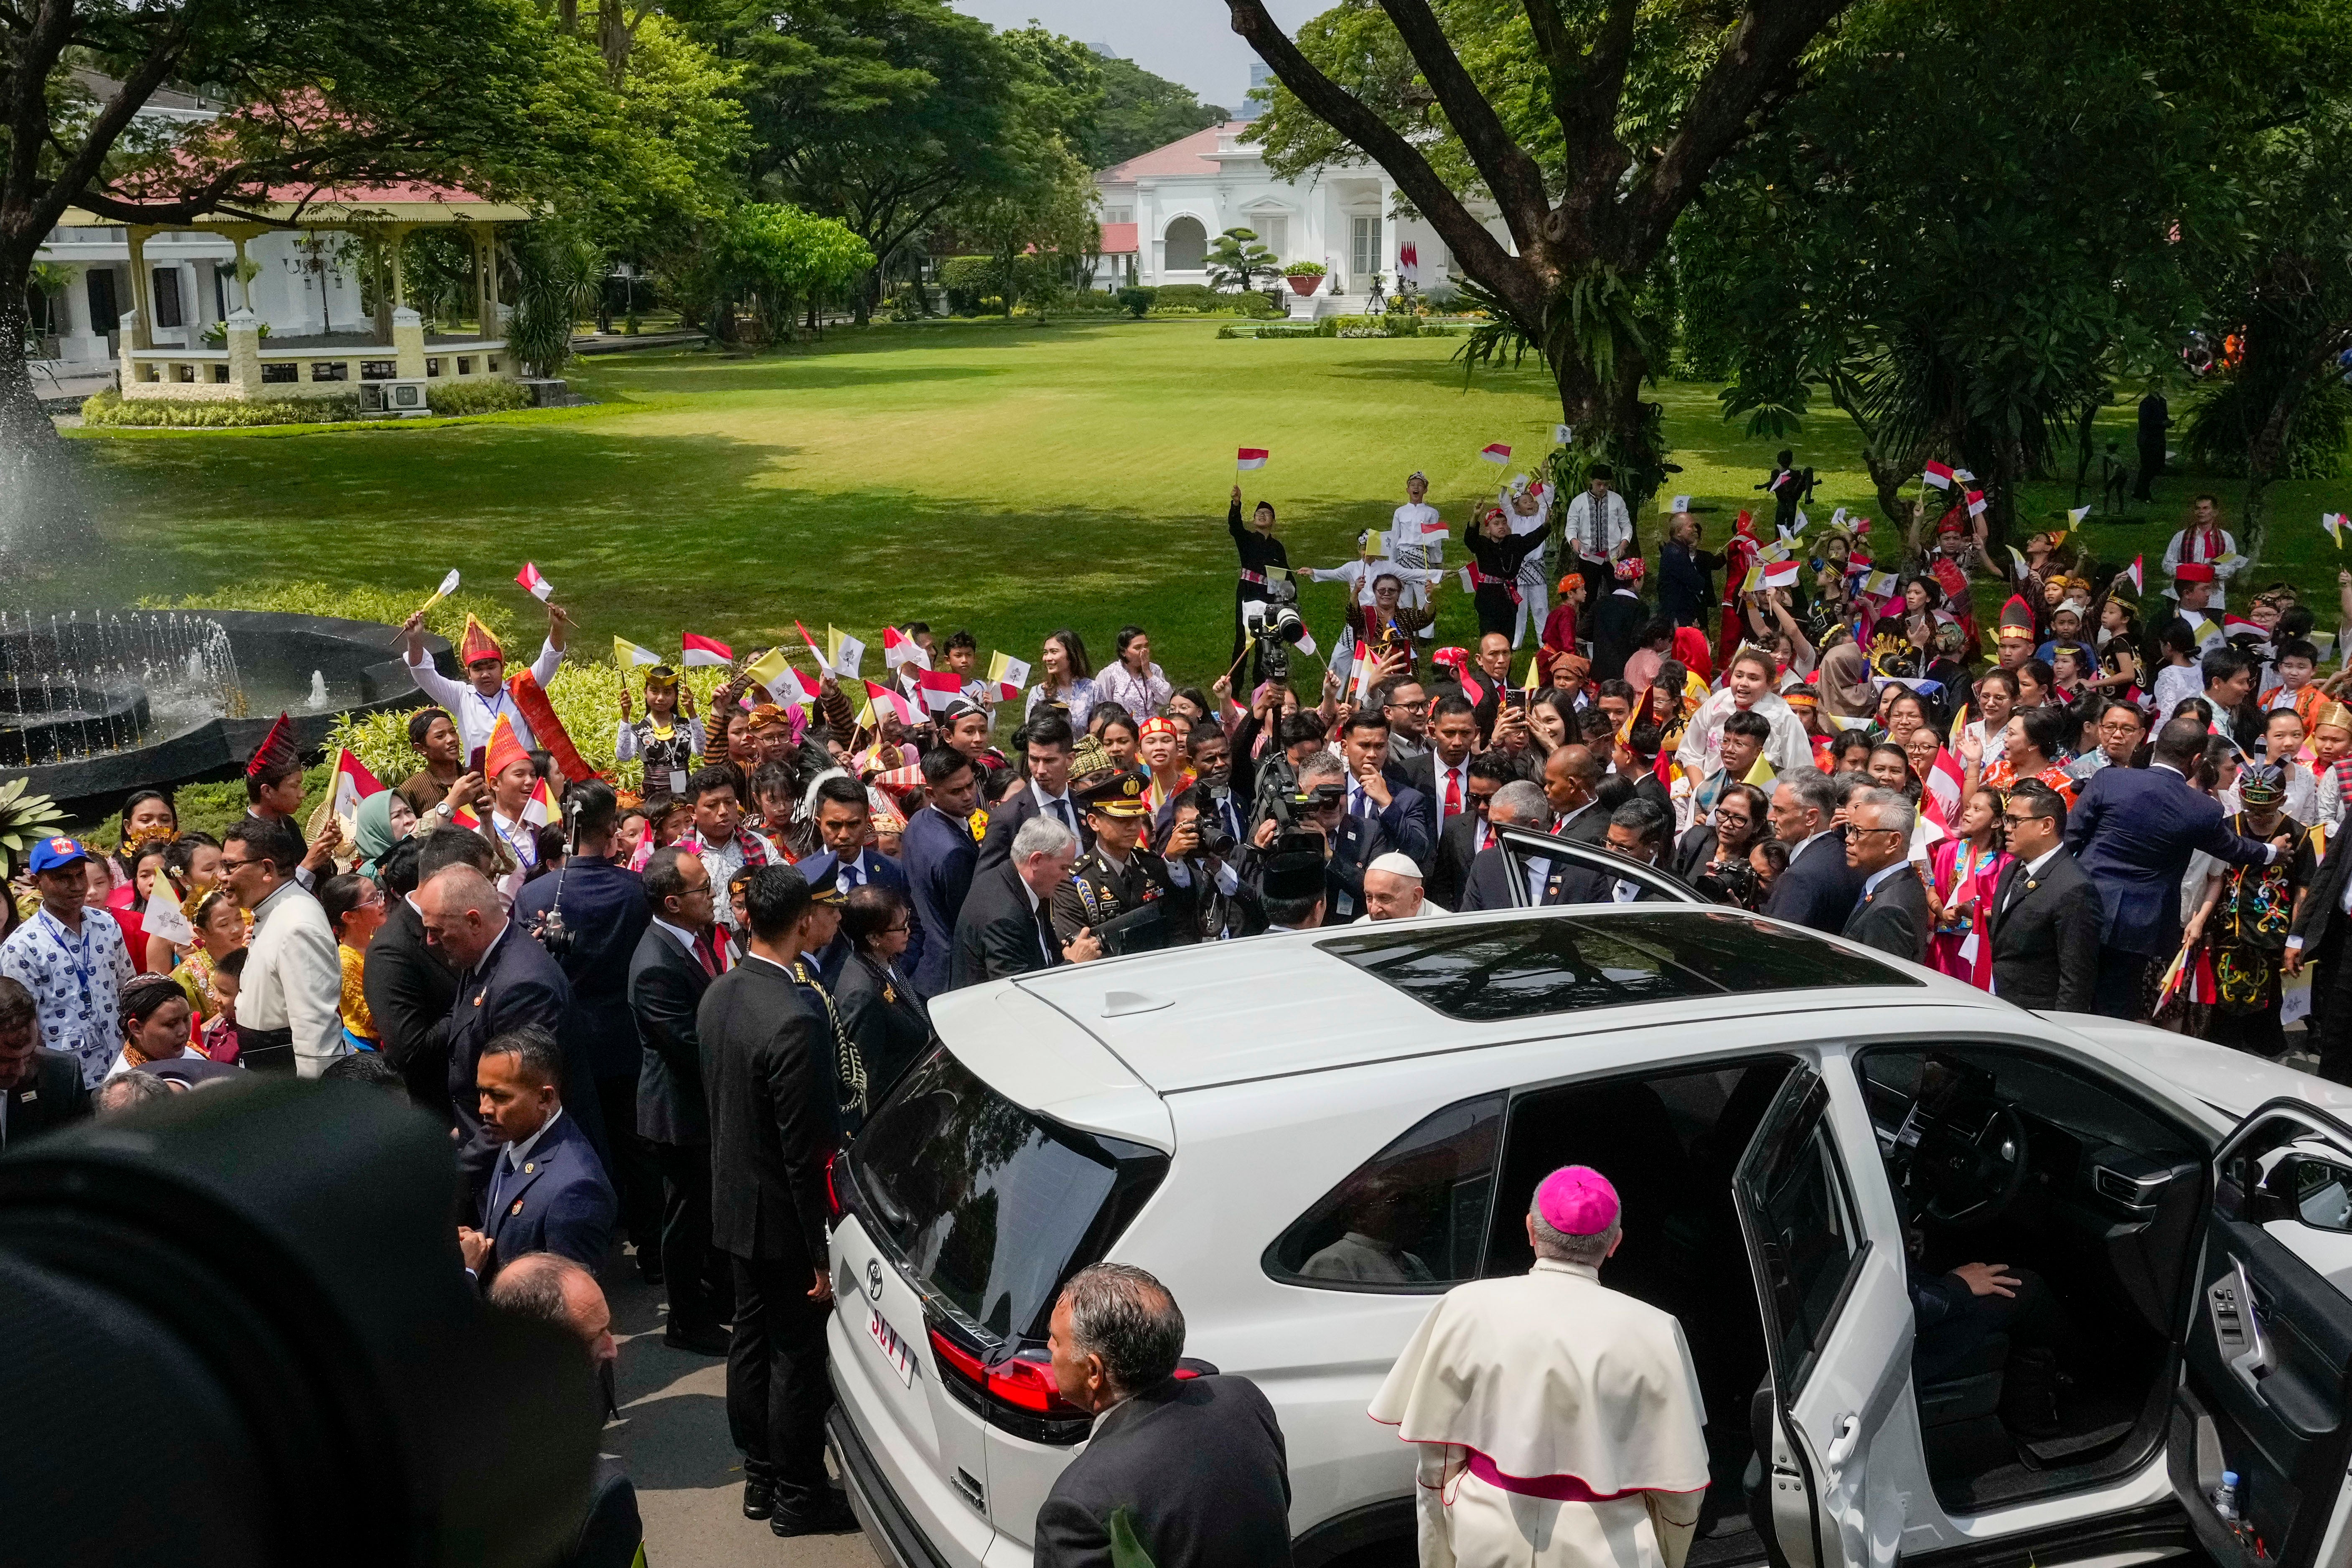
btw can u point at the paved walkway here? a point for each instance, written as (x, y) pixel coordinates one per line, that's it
(672, 1435)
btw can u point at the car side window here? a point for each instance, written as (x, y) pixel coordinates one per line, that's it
(1801, 1230)
(1409, 1219)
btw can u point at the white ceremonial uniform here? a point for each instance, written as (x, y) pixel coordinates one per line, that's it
(1535, 587)
(2220, 552)
(294, 978)
(1554, 1382)
(1418, 556)
(476, 715)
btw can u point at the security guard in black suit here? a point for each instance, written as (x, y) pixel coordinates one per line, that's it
(38, 1088)
(1126, 894)
(818, 928)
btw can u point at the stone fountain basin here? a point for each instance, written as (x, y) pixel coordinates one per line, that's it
(276, 654)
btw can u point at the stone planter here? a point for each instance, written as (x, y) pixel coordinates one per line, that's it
(1304, 282)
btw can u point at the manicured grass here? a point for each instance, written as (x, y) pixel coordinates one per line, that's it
(1009, 478)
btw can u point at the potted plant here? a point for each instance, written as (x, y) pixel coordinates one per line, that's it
(1303, 277)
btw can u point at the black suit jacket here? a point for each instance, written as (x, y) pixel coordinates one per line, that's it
(604, 912)
(50, 1096)
(1449, 870)
(1895, 918)
(1588, 826)
(998, 932)
(1612, 624)
(2323, 913)
(996, 844)
(1818, 889)
(666, 986)
(409, 986)
(764, 1055)
(1200, 1466)
(2132, 830)
(2046, 937)
(1356, 843)
(891, 1030)
(559, 1202)
(1489, 883)
(516, 984)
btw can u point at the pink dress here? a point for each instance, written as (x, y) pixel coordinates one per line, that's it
(1964, 878)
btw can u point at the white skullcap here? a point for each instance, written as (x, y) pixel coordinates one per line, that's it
(1396, 865)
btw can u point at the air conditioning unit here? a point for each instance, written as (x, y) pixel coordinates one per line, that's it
(393, 400)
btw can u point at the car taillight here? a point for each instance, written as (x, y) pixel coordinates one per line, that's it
(832, 1192)
(1023, 1383)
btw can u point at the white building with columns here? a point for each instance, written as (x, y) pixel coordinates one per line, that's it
(1164, 210)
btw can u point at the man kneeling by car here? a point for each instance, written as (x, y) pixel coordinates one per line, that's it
(1195, 1463)
(1558, 1421)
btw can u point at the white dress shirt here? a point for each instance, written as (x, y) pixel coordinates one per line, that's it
(1595, 535)
(294, 978)
(1460, 772)
(476, 715)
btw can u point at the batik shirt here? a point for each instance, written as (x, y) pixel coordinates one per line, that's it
(75, 979)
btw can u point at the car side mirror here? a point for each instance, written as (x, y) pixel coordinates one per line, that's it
(2322, 1195)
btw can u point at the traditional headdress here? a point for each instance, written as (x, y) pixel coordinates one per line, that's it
(1101, 783)
(477, 645)
(661, 678)
(762, 715)
(275, 751)
(2334, 716)
(504, 751)
(2262, 783)
(1160, 724)
(1629, 570)
(2193, 571)
(1744, 525)
(2016, 619)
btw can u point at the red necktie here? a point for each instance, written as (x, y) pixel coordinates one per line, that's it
(706, 948)
(1454, 792)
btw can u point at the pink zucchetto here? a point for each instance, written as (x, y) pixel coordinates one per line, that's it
(1577, 1200)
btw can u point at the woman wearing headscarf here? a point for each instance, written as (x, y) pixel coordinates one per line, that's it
(1847, 690)
(384, 819)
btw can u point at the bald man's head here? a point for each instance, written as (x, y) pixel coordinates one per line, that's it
(462, 914)
(557, 1291)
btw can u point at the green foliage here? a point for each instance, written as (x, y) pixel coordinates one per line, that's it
(781, 257)
(1236, 259)
(111, 408)
(968, 281)
(1135, 301)
(491, 395)
(1304, 269)
(2224, 425)
(559, 275)
(1141, 111)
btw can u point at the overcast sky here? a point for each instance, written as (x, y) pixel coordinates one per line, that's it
(1190, 41)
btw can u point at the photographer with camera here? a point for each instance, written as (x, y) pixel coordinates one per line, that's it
(1312, 817)
(1126, 895)
(1207, 853)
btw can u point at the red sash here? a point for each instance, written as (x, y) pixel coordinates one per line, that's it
(547, 729)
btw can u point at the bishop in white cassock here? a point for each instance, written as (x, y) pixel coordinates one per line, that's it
(1558, 1420)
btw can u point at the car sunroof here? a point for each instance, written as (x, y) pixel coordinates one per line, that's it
(1521, 969)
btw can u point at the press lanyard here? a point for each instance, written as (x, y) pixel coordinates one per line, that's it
(78, 959)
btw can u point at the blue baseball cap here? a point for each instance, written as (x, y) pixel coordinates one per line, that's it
(51, 853)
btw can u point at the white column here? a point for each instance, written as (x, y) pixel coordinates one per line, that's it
(195, 308)
(78, 341)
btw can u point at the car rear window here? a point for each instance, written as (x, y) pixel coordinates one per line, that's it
(990, 1207)
(1521, 969)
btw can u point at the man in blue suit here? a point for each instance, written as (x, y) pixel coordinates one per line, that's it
(1408, 818)
(1818, 889)
(939, 855)
(547, 1191)
(844, 823)
(2132, 831)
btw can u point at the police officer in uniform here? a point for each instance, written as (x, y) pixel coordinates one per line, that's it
(1132, 900)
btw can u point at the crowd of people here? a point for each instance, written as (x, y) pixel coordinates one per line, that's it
(651, 1013)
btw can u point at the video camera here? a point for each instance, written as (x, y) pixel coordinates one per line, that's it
(1274, 627)
(1281, 799)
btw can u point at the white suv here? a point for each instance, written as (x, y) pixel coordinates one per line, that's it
(1309, 1137)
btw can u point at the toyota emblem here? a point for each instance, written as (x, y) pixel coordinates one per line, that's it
(874, 1278)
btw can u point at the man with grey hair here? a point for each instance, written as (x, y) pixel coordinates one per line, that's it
(126, 1092)
(1817, 889)
(1197, 1464)
(1890, 912)
(1522, 803)
(1392, 891)
(1005, 926)
(1557, 1420)
(1638, 830)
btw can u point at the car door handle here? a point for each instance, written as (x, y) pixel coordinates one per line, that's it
(1842, 1446)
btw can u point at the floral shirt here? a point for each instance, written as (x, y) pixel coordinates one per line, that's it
(75, 979)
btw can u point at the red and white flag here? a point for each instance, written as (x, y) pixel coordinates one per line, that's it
(882, 696)
(2138, 571)
(1976, 503)
(540, 809)
(1495, 452)
(1944, 781)
(898, 648)
(941, 688)
(540, 587)
(1938, 474)
(353, 784)
(2239, 626)
(1359, 681)
(1250, 458)
(1780, 574)
(704, 651)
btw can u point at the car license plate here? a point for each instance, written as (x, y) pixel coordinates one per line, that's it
(894, 1348)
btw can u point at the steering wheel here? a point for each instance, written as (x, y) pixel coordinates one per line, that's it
(1970, 1166)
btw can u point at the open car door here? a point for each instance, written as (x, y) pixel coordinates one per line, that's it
(2267, 1386)
(1521, 846)
(1837, 1320)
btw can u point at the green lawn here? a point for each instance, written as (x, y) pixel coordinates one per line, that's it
(1008, 477)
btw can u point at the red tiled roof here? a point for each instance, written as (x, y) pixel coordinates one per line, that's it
(1117, 239)
(1187, 156)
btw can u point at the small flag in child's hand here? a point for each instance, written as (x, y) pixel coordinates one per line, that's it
(2023, 567)
(1965, 477)
(2075, 514)
(627, 654)
(540, 587)
(1938, 474)
(541, 808)
(164, 917)
(1681, 503)
(1495, 452)
(1008, 672)
(2137, 571)
(940, 687)
(2323, 642)
(1779, 574)
(448, 585)
(1250, 458)
(898, 648)
(769, 670)
(843, 653)
(1976, 503)
(2334, 522)
(1837, 518)
(697, 650)
(1561, 434)
(353, 783)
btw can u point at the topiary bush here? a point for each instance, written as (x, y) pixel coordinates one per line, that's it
(457, 398)
(1135, 301)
